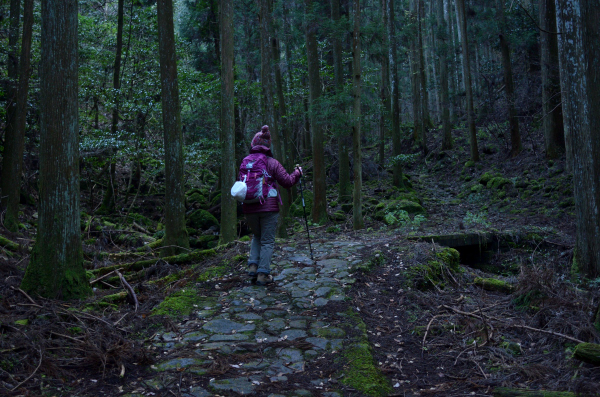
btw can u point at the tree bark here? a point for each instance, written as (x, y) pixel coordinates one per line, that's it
(442, 42)
(14, 143)
(56, 266)
(228, 169)
(423, 77)
(554, 135)
(460, 10)
(515, 135)
(397, 177)
(357, 216)
(385, 84)
(344, 194)
(176, 237)
(319, 208)
(580, 73)
(417, 103)
(108, 202)
(11, 90)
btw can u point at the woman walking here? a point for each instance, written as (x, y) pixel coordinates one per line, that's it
(262, 215)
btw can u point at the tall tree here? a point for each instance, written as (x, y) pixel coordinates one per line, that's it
(424, 94)
(442, 44)
(398, 178)
(176, 237)
(11, 89)
(460, 11)
(385, 84)
(319, 208)
(56, 266)
(228, 174)
(15, 137)
(344, 194)
(357, 216)
(513, 121)
(415, 75)
(108, 202)
(554, 135)
(580, 74)
(268, 82)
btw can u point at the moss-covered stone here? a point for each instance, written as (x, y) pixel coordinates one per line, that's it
(196, 198)
(435, 270)
(202, 219)
(179, 304)
(569, 202)
(485, 178)
(296, 208)
(493, 284)
(476, 188)
(497, 182)
(358, 367)
(338, 216)
(202, 242)
(409, 206)
(389, 218)
(587, 352)
(347, 207)
(215, 200)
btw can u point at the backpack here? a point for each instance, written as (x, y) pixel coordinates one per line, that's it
(256, 184)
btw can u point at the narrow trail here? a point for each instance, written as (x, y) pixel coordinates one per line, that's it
(265, 340)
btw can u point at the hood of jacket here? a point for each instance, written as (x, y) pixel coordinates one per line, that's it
(261, 149)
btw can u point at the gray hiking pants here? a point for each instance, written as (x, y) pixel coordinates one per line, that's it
(263, 225)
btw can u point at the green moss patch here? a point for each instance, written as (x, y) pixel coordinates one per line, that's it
(202, 219)
(497, 182)
(435, 271)
(179, 304)
(296, 207)
(493, 284)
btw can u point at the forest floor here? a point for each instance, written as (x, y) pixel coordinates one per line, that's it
(390, 310)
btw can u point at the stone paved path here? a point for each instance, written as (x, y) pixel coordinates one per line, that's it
(261, 324)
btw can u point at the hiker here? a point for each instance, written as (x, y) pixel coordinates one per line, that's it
(262, 216)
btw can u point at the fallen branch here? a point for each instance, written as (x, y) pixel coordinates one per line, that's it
(139, 265)
(27, 296)
(30, 376)
(6, 243)
(103, 277)
(427, 330)
(547, 332)
(140, 228)
(129, 289)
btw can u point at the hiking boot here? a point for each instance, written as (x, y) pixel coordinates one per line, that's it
(264, 279)
(252, 269)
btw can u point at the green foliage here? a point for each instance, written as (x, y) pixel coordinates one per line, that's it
(476, 220)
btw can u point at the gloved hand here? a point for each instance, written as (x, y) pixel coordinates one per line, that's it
(299, 169)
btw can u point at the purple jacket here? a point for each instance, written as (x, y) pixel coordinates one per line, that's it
(276, 170)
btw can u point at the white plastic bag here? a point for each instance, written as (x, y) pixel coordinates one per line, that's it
(239, 189)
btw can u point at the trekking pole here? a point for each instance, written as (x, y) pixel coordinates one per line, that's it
(305, 219)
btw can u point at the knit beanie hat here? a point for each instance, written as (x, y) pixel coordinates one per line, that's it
(262, 138)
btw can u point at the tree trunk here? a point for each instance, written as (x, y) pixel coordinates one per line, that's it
(423, 76)
(228, 169)
(417, 103)
(108, 202)
(515, 135)
(357, 216)
(15, 140)
(344, 194)
(580, 73)
(554, 135)
(319, 208)
(55, 269)
(442, 42)
(397, 178)
(385, 85)
(11, 91)
(176, 237)
(460, 10)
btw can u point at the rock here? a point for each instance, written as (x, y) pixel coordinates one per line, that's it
(239, 385)
(410, 206)
(202, 219)
(223, 326)
(292, 334)
(180, 363)
(493, 284)
(588, 352)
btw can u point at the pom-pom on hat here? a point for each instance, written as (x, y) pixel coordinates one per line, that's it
(262, 138)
